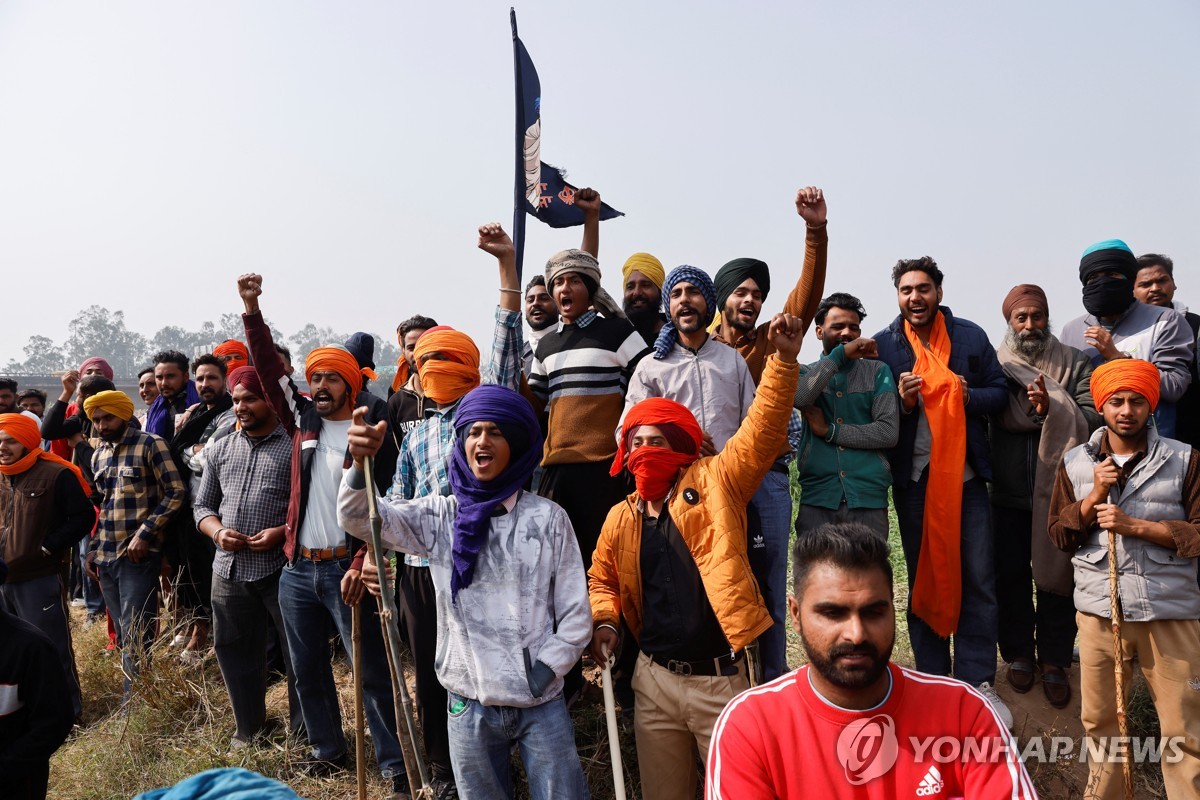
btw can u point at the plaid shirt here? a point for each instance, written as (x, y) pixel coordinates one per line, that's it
(246, 485)
(141, 489)
(423, 468)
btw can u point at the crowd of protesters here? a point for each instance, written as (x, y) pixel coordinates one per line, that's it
(611, 482)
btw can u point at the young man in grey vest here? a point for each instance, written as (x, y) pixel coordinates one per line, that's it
(1146, 489)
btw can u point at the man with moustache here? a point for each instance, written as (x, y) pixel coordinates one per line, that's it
(176, 394)
(147, 390)
(1117, 326)
(33, 401)
(1155, 286)
(241, 506)
(141, 490)
(318, 550)
(949, 382)
(405, 405)
(1143, 490)
(540, 314)
(810, 727)
(742, 285)
(198, 425)
(849, 402)
(1049, 411)
(643, 275)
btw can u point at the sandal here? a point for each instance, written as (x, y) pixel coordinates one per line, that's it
(1021, 675)
(1056, 686)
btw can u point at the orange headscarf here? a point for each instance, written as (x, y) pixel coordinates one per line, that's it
(234, 352)
(339, 360)
(446, 381)
(937, 590)
(1126, 375)
(25, 431)
(402, 374)
(655, 469)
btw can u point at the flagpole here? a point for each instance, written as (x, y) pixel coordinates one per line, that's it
(518, 225)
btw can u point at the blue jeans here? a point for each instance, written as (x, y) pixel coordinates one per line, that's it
(481, 741)
(979, 620)
(131, 594)
(310, 597)
(93, 598)
(768, 531)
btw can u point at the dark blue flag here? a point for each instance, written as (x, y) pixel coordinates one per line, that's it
(540, 189)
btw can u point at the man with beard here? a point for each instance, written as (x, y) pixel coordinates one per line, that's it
(1049, 411)
(742, 285)
(141, 490)
(198, 425)
(671, 565)
(406, 404)
(241, 506)
(318, 550)
(1117, 326)
(541, 314)
(843, 722)
(643, 303)
(1132, 487)
(33, 401)
(949, 382)
(176, 394)
(1155, 286)
(8, 396)
(849, 401)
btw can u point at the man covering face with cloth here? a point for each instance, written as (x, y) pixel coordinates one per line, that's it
(511, 594)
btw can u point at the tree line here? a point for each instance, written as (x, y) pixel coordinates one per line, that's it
(96, 331)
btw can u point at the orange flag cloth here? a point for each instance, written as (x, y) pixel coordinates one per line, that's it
(937, 590)
(25, 431)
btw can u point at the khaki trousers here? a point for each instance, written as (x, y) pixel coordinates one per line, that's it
(1169, 653)
(673, 718)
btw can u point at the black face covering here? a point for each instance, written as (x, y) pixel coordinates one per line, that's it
(1107, 296)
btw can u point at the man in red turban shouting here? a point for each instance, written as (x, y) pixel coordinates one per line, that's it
(672, 561)
(1146, 489)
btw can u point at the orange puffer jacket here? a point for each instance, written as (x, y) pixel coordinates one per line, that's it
(709, 509)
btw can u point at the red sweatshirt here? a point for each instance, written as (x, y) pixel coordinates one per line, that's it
(933, 737)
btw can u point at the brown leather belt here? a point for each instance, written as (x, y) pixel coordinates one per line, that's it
(327, 554)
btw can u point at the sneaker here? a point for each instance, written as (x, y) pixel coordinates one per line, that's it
(192, 657)
(444, 790)
(322, 768)
(400, 788)
(989, 693)
(78, 602)
(180, 640)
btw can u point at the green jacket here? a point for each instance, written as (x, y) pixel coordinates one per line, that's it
(858, 398)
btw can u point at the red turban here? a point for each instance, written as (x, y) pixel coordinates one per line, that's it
(655, 468)
(25, 431)
(248, 377)
(447, 381)
(1125, 375)
(339, 360)
(1025, 295)
(233, 352)
(96, 362)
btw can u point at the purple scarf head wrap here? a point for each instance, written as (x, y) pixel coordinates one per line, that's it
(478, 499)
(158, 416)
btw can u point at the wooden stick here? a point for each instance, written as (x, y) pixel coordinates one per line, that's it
(1114, 608)
(360, 735)
(614, 743)
(406, 725)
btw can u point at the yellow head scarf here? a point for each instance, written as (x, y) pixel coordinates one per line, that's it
(114, 402)
(646, 264)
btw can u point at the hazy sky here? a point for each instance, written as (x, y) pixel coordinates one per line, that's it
(152, 151)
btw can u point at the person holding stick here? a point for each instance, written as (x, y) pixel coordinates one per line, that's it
(510, 590)
(1131, 496)
(671, 561)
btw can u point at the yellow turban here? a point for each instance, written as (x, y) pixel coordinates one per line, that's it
(646, 264)
(114, 402)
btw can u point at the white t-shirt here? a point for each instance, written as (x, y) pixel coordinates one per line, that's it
(320, 528)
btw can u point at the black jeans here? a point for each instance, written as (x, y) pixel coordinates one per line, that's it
(1045, 632)
(419, 625)
(242, 614)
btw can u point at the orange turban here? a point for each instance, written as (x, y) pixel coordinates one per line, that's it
(446, 381)
(234, 354)
(25, 431)
(339, 360)
(1125, 375)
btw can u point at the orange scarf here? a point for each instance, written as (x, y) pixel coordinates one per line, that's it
(446, 381)
(937, 590)
(25, 431)
(401, 377)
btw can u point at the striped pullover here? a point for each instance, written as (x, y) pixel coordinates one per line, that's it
(580, 372)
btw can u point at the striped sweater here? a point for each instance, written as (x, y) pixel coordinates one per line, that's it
(580, 372)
